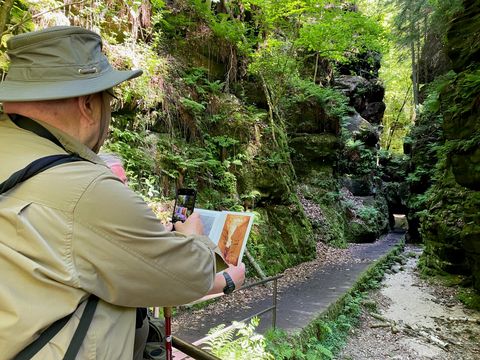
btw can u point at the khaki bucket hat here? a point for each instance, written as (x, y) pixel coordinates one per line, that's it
(57, 63)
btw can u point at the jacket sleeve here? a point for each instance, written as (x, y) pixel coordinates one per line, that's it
(124, 255)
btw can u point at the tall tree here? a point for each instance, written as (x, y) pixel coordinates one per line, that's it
(411, 28)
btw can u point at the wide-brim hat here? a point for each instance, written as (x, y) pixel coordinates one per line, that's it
(57, 63)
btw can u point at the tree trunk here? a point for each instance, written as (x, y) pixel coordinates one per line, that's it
(4, 14)
(316, 69)
(270, 107)
(414, 74)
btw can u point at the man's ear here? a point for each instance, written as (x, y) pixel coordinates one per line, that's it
(86, 106)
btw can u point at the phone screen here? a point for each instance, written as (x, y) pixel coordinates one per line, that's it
(184, 204)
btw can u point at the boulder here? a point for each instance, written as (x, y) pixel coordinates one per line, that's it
(361, 129)
(350, 85)
(310, 117)
(373, 112)
(313, 151)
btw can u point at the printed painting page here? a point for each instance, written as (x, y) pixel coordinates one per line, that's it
(234, 235)
(212, 221)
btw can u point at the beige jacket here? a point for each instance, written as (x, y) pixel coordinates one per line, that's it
(76, 230)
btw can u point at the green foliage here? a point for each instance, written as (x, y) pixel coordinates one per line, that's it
(199, 166)
(340, 33)
(324, 338)
(139, 165)
(227, 28)
(197, 78)
(395, 73)
(238, 342)
(275, 64)
(146, 91)
(470, 298)
(357, 159)
(191, 105)
(333, 102)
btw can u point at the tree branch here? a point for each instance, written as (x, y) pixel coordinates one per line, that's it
(38, 15)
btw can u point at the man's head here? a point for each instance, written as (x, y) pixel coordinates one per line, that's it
(60, 75)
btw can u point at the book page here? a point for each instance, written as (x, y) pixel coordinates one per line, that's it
(234, 235)
(211, 220)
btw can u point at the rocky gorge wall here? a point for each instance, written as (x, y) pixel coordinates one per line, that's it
(335, 159)
(311, 175)
(445, 165)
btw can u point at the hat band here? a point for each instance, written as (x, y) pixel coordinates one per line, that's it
(58, 73)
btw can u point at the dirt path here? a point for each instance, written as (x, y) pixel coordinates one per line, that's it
(428, 321)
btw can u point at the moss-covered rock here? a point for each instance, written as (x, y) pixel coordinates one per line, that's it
(272, 181)
(361, 129)
(309, 116)
(281, 238)
(313, 152)
(358, 186)
(464, 36)
(466, 168)
(451, 228)
(367, 218)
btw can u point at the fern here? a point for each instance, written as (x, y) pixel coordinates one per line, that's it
(238, 342)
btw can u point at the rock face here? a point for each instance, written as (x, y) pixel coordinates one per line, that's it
(445, 181)
(462, 128)
(314, 152)
(338, 171)
(362, 130)
(366, 96)
(466, 168)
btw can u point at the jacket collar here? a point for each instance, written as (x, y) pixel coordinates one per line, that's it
(69, 143)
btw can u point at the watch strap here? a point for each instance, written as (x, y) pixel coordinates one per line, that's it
(230, 287)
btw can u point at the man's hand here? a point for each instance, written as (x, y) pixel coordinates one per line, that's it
(192, 226)
(237, 274)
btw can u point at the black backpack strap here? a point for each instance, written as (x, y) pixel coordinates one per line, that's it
(82, 328)
(52, 330)
(19, 176)
(36, 167)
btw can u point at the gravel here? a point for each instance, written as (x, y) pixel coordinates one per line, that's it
(428, 322)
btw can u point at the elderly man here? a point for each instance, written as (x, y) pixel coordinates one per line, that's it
(75, 230)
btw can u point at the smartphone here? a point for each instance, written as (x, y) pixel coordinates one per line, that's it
(184, 204)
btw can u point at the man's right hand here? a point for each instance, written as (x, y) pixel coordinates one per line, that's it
(192, 226)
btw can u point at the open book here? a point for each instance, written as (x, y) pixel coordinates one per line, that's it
(229, 230)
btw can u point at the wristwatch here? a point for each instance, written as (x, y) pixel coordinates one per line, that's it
(228, 289)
